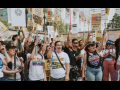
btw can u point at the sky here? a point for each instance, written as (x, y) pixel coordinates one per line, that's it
(82, 9)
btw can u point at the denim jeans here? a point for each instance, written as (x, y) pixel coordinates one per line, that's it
(93, 74)
(1, 79)
(37, 80)
(12, 79)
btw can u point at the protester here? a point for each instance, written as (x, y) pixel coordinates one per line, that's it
(92, 61)
(37, 67)
(61, 67)
(8, 68)
(109, 56)
(1, 61)
(74, 54)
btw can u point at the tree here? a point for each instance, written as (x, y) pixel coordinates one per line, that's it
(5, 22)
(115, 22)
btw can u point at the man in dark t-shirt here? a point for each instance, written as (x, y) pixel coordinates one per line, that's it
(73, 52)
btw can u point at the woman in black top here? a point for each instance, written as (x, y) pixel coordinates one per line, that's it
(92, 60)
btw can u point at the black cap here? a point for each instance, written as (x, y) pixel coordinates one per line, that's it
(9, 45)
(14, 36)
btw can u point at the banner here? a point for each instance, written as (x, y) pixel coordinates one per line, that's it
(30, 25)
(38, 15)
(30, 10)
(49, 15)
(55, 19)
(50, 31)
(47, 67)
(18, 17)
(5, 35)
(59, 38)
(82, 16)
(98, 36)
(2, 27)
(96, 21)
(58, 20)
(16, 28)
(107, 10)
(74, 29)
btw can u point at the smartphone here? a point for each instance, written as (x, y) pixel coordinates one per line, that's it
(84, 78)
(20, 68)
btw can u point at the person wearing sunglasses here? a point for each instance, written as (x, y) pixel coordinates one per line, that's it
(8, 68)
(36, 66)
(109, 56)
(92, 61)
(74, 55)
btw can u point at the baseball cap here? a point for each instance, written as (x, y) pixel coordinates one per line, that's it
(9, 45)
(14, 36)
(109, 42)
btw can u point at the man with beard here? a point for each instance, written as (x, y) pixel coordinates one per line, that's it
(73, 52)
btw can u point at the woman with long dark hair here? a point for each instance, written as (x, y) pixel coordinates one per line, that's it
(92, 61)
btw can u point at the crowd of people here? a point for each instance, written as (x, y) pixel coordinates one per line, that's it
(89, 60)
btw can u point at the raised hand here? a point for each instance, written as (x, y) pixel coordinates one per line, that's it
(70, 27)
(89, 33)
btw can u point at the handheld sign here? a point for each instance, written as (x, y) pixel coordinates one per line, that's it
(18, 17)
(49, 15)
(96, 21)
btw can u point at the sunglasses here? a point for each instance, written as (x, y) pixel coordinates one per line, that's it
(75, 43)
(48, 45)
(91, 42)
(1, 42)
(93, 45)
(108, 44)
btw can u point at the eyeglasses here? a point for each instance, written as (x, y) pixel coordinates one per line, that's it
(58, 45)
(75, 43)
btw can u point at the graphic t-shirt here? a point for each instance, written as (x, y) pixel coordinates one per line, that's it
(109, 57)
(94, 60)
(36, 68)
(1, 64)
(57, 70)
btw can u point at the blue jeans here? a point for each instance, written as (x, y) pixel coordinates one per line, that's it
(37, 80)
(1, 79)
(93, 74)
(12, 79)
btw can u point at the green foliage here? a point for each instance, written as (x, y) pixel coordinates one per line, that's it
(115, 22)
(5, 22)
(63, 28)
(6, 42)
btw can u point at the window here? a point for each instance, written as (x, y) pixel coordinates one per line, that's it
(59, 12)
(3, 14)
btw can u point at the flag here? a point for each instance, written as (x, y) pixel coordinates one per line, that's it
(70, 15)
(82, 16)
